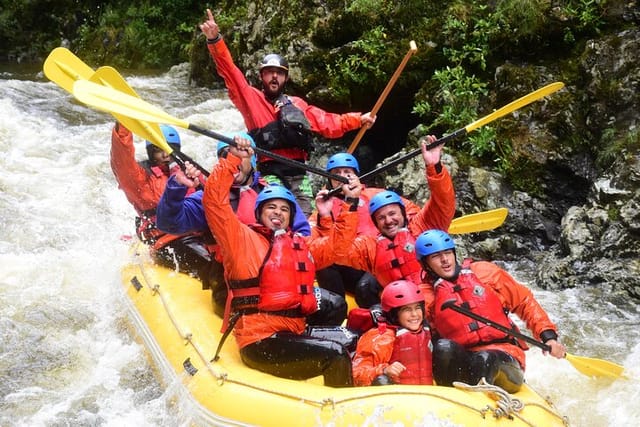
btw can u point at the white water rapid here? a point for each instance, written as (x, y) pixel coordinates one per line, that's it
(67, 356)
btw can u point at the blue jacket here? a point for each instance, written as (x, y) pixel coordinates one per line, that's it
(177, 214)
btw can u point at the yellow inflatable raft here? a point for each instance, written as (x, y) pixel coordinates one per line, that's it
(174, 318)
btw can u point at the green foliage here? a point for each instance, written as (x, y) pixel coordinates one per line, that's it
(141, 35)
(582, 17)
(372, 8)
(358, 64)
(525, 175)
(524, 17)
(613, 145)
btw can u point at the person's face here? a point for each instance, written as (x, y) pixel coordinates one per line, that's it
(341, 171)
(442, 263)
(160, 157)
(244, 171)
(410, 316)
(275, 214)
(389, 220)
(273, 80)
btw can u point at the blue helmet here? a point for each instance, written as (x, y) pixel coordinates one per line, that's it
(170, 135)
(384, 198)
(274, 191)
(343, 160)
(222, 144)
(432, 241)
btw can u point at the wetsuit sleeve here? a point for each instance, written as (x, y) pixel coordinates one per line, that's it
(251, 102)
(143, 190)
(515, 296)
(178, 214)
(329, 125)
(242, 248)
(361, 255)
(372, 356)
(440, 208)
(300, 223)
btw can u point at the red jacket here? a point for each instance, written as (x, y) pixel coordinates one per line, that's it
(142, 188)
(244, 249)
(257, 111)
(514, 296)
(437, 213)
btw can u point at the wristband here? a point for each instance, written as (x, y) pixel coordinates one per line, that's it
(547, 335)
(216, 39)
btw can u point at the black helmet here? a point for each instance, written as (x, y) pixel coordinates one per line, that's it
(274, 60)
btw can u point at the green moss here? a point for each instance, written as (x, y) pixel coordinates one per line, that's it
(614, 144)
(525, 175)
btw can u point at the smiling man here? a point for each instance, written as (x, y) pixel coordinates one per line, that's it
(270, 270)
(390, 256)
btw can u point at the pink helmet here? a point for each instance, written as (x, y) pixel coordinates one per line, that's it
(399, 293)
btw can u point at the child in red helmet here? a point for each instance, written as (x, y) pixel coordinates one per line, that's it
(398, 351)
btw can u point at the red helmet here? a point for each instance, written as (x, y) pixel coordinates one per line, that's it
(399, 293)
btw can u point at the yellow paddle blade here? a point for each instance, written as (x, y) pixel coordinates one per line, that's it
(481, 221)
(595, 367)
(113, 101)
(518, 103)
(109, 76)
(64, 68)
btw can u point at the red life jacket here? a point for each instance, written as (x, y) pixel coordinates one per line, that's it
(396, 260)
(285, 282)
(469, 292)
(414, 351)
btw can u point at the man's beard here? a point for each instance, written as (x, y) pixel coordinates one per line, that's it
(270, 94)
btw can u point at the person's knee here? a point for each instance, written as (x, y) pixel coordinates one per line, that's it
(450, 362)
(332, 309)
(367, 291)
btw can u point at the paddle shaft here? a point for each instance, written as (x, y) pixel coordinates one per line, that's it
(412, 49)
(451, 304)
(401, 159)
(279, 158)
(503, 111)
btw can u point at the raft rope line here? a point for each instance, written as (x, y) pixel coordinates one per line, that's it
(506, 405)
(187, 336)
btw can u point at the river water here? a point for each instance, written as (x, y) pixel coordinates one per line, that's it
(67, 356)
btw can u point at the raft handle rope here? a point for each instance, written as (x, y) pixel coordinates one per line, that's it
(507, 405)
(187, 336)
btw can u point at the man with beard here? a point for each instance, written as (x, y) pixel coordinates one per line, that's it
(277, 122)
